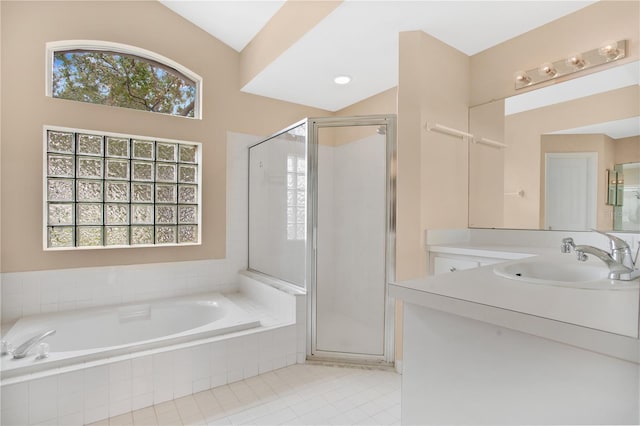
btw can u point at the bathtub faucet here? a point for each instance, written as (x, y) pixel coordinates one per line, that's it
(22, 350)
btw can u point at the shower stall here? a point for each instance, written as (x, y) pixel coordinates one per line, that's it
(322, 218)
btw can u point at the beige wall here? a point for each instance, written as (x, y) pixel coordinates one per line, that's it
(492, 70)
(383, 103)
(432, 167)
(26, 27)
(432, 177)
(627, 150)
(486, 167)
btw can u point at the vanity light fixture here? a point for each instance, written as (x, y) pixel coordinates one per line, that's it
(609, 51)
(342, 80)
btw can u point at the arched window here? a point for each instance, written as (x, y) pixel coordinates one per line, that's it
(120, 75)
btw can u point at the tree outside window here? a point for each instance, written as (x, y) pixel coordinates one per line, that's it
(122, 80)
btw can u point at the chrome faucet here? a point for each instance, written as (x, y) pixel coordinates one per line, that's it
(620, 250)
(621, 264)
(22, 350)
(617, 271)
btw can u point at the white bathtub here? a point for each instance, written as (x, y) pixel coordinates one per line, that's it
(102, 332)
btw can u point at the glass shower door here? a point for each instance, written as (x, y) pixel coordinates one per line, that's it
(277, 205)
(350, 290)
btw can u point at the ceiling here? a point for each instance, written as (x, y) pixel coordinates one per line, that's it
(360, 39)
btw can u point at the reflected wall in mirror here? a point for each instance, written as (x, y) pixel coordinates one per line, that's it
(561, 141)
(626, 213)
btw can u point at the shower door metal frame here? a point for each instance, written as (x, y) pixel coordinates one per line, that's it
(313, 125)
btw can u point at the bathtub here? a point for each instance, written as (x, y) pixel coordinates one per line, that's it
(103, 332)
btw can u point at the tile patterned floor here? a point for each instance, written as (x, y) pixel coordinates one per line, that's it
(307, 394)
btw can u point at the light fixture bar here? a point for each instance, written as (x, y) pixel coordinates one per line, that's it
(610, 51)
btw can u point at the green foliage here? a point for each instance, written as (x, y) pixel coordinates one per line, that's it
(122, 80)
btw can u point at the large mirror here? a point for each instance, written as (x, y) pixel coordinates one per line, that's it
(565, 143)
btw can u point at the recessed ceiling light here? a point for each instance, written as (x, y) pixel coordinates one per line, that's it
(342, 79)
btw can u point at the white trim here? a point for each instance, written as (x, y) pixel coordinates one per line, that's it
(54, 46)
(45, 213)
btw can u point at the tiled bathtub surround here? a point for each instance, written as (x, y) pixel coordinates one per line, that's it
(107, 388)
(96, 390)
(136, 381)
(269, 296)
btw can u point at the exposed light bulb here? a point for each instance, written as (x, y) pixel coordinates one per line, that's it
(609, 49)
(342, 79)
(522, 78)
(547, 69)
(575, 60)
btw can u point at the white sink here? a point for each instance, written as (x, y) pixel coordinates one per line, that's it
(564, 271)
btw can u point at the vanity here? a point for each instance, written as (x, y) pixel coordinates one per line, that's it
(505, 328)
(527, 336)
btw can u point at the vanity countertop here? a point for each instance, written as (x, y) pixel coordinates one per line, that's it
(490, 250)
(481, 294)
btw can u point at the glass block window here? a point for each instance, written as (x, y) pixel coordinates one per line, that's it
(296, 202)
(106, 190)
